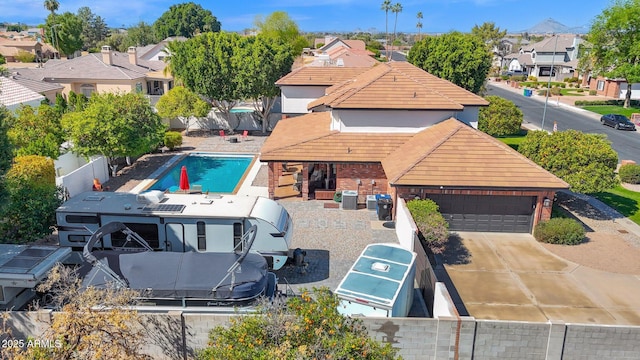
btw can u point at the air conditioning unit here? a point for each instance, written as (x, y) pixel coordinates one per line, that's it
(349, 200)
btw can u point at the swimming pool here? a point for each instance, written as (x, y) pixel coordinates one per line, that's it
(241, 110)
(216, 173)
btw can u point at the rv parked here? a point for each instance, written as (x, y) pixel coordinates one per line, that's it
(177, 222)
(380, 283)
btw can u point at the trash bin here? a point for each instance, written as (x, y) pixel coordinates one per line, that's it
(349, 200)
(381, 196)
(384, 209)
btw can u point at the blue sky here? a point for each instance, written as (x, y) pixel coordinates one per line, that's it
(334, 15)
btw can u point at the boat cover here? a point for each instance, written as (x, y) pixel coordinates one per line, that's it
(183, 275)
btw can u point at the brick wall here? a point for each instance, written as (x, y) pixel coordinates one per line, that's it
(347, 176)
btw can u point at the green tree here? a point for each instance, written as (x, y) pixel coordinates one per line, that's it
(585, 161)
(32, 201)
(185, 19)
(116, 41)
(64, 32)
(460, 58)
(279, 25)
(615, 39)
(308, 327)
(396, 9)
(502, 117)
(94, 28)
(489, 34)
(6, 149)
(264, 61)
(181, 103)
(37, 131)
(141, 35)
(114, 125)
(209, 66)
(386, 6)
(25, 56)
(2, 60)
(419, 24)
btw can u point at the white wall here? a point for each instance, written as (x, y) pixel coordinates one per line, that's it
(296, 98)
(469, 115)
(442, 304)
(81, 179)
(405, 226)
(385, 121)
(33, 103)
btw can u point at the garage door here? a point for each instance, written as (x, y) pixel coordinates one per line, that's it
(487, 213)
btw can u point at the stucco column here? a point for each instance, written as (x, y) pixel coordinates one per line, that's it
(305, 181)
(272, 179)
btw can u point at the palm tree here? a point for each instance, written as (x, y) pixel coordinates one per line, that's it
(419, 24)
(396, 8)
(51, 5)
(386, 6)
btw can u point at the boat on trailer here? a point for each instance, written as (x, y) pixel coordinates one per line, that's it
(170, 279)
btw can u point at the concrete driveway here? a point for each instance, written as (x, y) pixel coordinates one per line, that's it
(513, 277)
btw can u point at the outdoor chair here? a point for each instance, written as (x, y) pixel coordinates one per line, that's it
(245, 134)
(222, 135)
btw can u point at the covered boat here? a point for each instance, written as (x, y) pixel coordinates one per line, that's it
(185, 279)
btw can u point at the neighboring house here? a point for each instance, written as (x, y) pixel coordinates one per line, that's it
(10, 48)
(159, 51)
(49, 90)
(345, 57)
(396, 129)
(308, 83)
(107, 71)
(615, 88)
(555, 56)
(13, 94)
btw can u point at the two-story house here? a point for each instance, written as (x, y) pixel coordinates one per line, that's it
(398, 130)
(555, 56)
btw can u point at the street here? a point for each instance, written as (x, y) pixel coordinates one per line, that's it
(625, 143)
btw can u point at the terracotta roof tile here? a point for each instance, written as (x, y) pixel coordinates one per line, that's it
(397, 85)
(452, 153)
(308, 138)
(315, 75)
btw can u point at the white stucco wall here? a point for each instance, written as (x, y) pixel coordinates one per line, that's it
(397, 121)
(296, 98)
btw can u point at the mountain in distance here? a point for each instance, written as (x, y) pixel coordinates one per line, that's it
(549, 26)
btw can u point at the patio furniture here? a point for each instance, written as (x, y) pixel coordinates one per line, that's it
(222, 135)
(245, 134)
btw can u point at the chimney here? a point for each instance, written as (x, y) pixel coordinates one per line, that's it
(133, 55)
(106, 54)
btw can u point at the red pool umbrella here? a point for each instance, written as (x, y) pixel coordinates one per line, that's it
(184, 179)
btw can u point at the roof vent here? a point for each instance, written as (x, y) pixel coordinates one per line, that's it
(378, 266)
(150, 197)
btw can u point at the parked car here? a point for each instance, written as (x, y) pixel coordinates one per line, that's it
(620, 122)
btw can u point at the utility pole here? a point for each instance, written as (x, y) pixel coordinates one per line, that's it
(546, 100)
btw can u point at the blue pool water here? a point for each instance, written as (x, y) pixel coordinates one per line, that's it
(216, 173)
(241, 110)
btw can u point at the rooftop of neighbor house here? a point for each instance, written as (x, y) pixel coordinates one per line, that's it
(397, 85)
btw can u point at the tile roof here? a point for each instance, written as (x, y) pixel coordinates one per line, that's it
(397, 85)
(350, 58)
(92, 67)
(315, 75)
(308, 138)
(12, 93)
(548, 44)
(36, 85)
(452, 153)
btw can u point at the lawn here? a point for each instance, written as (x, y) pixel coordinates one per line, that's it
(612, 109)
(627, 202)
(514, 140)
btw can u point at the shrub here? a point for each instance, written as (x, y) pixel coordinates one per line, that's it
(504, 77)
(593, 92)
(563, 85)
(502, 117)
(308, 326)
(580, 90)
(542, 92)
(337, 197)
(532, 78)
(172, 139)
(556, 91)
(563, 231)
(32, 200)
(434, 230)
(630, 173)
(25, 57)
(2, 60)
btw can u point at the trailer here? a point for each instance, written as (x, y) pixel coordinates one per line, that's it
(177, 222)
(380, 283)
(22, 268)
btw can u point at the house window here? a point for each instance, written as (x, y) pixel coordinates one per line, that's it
(87, 89)
(544, 71)
(600, 85)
